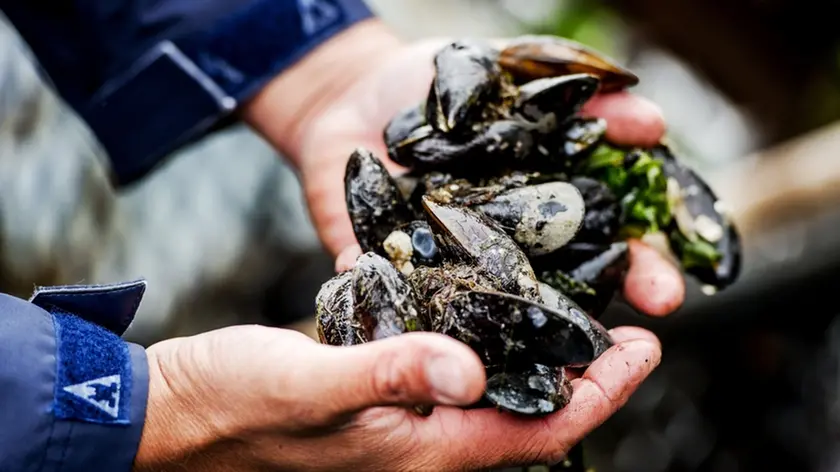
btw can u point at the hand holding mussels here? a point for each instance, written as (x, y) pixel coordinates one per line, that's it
(509, 230)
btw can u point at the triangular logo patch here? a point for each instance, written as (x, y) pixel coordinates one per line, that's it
(103, 393)
(316, 15)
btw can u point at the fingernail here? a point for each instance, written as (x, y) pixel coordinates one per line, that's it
(446, 376)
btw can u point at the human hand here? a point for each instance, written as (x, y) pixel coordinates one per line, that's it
(251, 398)
(375, 76)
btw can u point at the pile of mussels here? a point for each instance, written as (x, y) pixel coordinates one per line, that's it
(509, 230)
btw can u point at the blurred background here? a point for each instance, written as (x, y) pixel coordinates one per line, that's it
(751, 89)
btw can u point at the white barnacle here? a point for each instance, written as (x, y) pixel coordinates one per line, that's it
(399, 249)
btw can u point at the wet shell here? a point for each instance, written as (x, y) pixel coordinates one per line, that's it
(698, 216)
(506, 329)
(401, 128)
(466, 235)
(383, 299)
(337, 323)
(467, 77)
(496, 144)
(603, 212)
(536, 390)
(374, 202)
(563, 96)
(598, 336)
(540, 218)
(533, 57)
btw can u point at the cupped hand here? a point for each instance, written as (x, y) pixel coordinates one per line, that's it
(253, 399)
(402, 78)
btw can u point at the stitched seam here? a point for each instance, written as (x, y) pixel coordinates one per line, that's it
(55, 394)
(66, 448)
(123, 319)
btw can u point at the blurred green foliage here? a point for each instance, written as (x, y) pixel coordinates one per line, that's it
(585, 21)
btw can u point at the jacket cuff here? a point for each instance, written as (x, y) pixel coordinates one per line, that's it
(184, 86)
(75, 392)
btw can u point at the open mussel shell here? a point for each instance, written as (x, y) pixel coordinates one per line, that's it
(699, 220)
(467, 76)
(506, 329)
(335, 318)
(563, 96)
(464, 234)
(540, 218)
(595, 331)
(383, 300)
(374, 202)
(534, 390)
(533, 57)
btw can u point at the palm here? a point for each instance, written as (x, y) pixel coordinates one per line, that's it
(357, 119)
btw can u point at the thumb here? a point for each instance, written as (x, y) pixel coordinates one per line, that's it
(406, 370)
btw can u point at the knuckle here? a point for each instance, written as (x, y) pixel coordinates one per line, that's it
(391, 381)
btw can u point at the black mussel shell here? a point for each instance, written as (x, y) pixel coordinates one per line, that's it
(403, 151)
(590, 274)
(562, 150)
(562, 96)
(581, 135)
(374, 201)
(466, 235)
(598, 335)
(700, 219)
(540, 218)
(467, 77)
(491, 147)
(506, 329)
(534, 390)
(603, 211)
(336, 321)
(403, 125)
(434, 285)
(383, 299)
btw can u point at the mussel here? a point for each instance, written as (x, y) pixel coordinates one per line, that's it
(509, 230)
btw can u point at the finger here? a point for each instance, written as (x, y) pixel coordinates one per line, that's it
(347, 258)
(619, 335)
(485, 438)
(631, 120)
(632, 333)
(411, 369)
(653, 285)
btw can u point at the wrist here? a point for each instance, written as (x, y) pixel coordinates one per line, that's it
(282, 111)
(171, 431)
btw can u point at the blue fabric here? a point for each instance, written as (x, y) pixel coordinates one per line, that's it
(57, 374)
(110, 306)
(152, 75)
(93, 375)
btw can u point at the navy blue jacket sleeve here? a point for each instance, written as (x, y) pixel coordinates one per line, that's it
(151, 75)
(72, 392)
